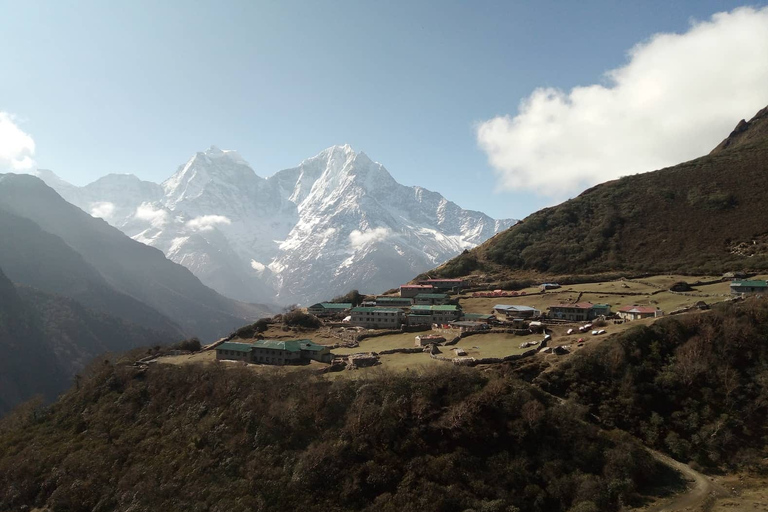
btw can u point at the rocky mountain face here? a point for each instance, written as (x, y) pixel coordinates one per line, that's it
(336, 222)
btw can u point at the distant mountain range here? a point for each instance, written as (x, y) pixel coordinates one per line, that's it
(337, 222)
(703, 216)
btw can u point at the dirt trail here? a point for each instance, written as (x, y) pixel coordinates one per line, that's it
(700, 496)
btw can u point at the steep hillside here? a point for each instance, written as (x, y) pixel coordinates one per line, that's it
(36, 258)
(45, 339)
(703, 216)
(129, 267)
(27, 367)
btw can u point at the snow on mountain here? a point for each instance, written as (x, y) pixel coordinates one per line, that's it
(337, 222)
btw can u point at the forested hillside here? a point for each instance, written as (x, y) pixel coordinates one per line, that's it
(229, 439)
(695, 386)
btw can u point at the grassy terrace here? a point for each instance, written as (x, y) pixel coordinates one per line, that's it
(604, 293)
(652, 291)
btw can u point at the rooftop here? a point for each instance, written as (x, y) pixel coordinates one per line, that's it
(431, 296)
(375, 310)
(235, 346)
(287, 345)
(578, 305)
(637, 309)
(331, 305)
(446, 307)
(513, 307)
(752, 284)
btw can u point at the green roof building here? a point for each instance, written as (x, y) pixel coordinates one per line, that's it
(275, 352)
(748, 287)
(377, 318)
(431, 299)
(329, 308)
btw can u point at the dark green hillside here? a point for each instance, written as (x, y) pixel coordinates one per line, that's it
(27, 366)
(695, 386)
(210, 438)
(704, 216)
(46, 339)
(76, 334)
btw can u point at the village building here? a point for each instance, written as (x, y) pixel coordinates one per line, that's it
(454, 285)
(329, 308)
(548, 286)
(479, 317)
(418, 318)
(638, 312)
(234, 351)
(444, 314)
(464, 326)
(748, 287)
(411, 290)
(377, 318)
(431, 299)
(579, 312)
(393, 302)
(516, 311)
(275, 352)
(427, 339)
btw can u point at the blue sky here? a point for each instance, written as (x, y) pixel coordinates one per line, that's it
(138, 87)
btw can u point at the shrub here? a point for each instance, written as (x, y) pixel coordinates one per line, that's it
(297, 318)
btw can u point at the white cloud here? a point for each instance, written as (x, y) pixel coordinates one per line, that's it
(259, 267)
(207, 222)
(102, 209)
(157, 217)
(359, 238)
(677, 97)
(17, 149)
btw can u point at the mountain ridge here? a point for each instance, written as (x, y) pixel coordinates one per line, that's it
(113, 261)
(336, 222)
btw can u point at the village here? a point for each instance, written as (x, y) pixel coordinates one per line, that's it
(437, 321)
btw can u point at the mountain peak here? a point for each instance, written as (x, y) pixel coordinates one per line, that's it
(214, 153)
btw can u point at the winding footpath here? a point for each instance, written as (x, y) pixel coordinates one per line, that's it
(700, 496)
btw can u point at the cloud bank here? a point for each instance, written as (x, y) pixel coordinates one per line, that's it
(359, 238)
(17, 149)
(677, 97)
(157, 217)
(102, 209)
(207, 222)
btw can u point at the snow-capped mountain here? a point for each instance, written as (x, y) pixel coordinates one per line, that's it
(337, 222)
